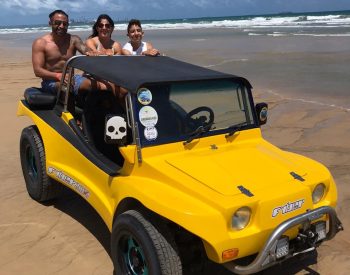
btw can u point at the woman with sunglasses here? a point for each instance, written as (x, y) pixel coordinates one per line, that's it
(100, 41)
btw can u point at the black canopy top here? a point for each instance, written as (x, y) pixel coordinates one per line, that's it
(131, 72)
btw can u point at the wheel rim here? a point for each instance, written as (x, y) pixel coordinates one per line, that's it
(30, 159)
(133, 257)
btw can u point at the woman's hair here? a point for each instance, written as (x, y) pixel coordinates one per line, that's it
(98, 21)
(134, 22)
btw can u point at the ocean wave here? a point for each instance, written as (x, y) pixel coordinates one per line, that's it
(277, 34)
(242, 22)
(323, 34)
(255, 34)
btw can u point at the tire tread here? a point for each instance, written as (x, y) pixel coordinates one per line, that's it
(169, 259)
(165, 248)
(49, 188)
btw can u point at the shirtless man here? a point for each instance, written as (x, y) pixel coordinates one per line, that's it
(51, 51)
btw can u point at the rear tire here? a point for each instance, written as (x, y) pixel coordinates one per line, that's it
(139, 248)
(39, 186)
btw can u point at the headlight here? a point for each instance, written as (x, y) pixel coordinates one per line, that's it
(241, 218)
(318, 193)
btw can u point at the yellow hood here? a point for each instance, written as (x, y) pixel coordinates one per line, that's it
(224, 169)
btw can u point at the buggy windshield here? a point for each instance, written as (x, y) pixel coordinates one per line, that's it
(182, 111)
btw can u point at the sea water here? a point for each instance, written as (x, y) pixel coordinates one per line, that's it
(332, 23)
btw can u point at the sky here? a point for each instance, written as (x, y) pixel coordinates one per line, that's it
(28, 12)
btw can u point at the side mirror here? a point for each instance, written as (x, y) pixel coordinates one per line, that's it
(261, 111)
(115, 130)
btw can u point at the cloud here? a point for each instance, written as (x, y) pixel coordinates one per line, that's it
(200, 3)
(28, 6)
(46, 6)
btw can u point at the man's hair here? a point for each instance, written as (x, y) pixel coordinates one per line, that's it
(59, 12)
(134, 22)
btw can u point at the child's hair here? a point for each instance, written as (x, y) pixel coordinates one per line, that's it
(134, 22)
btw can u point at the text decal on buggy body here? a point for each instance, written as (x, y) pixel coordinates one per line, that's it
(68, 180)
(288, 207)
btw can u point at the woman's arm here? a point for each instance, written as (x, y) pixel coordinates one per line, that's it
(79, 44)
(117, 48)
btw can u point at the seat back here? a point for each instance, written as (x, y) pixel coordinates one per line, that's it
(99, 104)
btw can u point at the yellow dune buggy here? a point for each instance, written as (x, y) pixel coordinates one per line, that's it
(178, 170)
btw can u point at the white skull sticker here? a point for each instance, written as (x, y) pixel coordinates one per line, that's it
(116, 128)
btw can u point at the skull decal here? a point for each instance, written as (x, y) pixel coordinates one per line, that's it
(115, 129)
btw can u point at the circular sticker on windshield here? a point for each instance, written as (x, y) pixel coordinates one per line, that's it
(148, 116)
(150, 133)
(144, 96)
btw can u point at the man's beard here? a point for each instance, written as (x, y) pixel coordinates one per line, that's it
(61, 32)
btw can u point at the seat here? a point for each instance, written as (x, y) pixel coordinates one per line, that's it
(37, 99)
(97, 105)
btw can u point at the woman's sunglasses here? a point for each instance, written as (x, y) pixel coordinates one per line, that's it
(101, 26)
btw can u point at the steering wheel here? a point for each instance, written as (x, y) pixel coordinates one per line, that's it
(203, 120)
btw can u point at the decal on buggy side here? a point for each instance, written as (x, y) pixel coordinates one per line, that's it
(288, 207)
(148, 116)
(69, 181)
(150, 133)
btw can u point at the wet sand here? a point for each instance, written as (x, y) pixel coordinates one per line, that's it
(306, 82)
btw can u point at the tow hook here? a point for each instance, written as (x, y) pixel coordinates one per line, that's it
(308, 237)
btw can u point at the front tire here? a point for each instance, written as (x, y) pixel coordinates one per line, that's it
(139, 248)
(39, 186)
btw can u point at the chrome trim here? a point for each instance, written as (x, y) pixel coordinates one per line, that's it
(267, 257)
(128, 109)
(135, 127)
(138, 142)
(70, 77)
(66, 69)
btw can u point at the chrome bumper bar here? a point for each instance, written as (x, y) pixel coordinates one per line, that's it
(267, 257)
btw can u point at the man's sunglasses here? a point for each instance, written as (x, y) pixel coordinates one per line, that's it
(59, 23)
(101, 25)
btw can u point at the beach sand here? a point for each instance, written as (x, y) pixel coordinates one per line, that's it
(306, 82)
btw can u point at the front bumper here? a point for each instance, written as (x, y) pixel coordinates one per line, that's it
(267, 255)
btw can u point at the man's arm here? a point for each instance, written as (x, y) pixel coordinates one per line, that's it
(38, 60)
(79, 45)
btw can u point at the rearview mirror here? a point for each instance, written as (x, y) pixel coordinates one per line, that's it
(261, 111)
